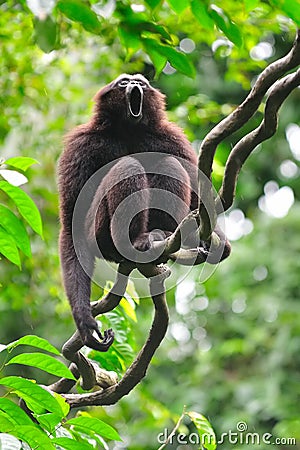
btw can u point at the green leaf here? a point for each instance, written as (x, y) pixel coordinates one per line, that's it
(96, 425)
(199, 10)
(8, 248)
(124, 353)
(153, 3)
(177, 59)
(205, 430)
(36, 398)
(223, 21)
(129, 39)
(5, 424)
(21, 162)
(156, 29)
(44, 362)
(78, 11)
(111, 362)
(15, 413)
(71, 444)
(25, 205)
(64, 406)
(251, 4)
(48, 421)
(46, 35)
(128, 309)
(16, 229)
(178, 5)
(34, 437)
(33, 341)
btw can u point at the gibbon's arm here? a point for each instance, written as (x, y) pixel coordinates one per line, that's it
(73, 173)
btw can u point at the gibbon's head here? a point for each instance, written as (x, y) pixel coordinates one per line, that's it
(129, 99)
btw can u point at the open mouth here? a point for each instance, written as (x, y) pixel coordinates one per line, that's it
(134, 96)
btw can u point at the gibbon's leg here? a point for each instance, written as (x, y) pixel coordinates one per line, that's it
(172, 208)
(120, 208)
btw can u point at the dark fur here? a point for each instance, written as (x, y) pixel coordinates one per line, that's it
(109, 135)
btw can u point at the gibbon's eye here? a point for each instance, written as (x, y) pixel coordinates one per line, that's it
(141, 83)
(123, 83)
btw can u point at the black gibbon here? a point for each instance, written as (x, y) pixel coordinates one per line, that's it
(129, 121)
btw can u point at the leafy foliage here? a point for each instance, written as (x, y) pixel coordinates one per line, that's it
(43, 362)
(139, 25)
(13, 234)
(49, 411)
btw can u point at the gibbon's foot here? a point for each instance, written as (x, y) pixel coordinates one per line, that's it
(104, 342)
(146, 243)
(142, 243)
(219, 249)
(190, 257)
(145, 240)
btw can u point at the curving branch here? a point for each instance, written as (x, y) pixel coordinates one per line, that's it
(264, 131)
(248, 107)
(137, 370)
(232, 123)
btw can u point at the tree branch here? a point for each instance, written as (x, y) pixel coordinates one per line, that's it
(264, 131)
(138, 368)
(231, 124)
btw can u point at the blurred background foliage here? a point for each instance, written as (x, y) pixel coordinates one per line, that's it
(232, 349)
